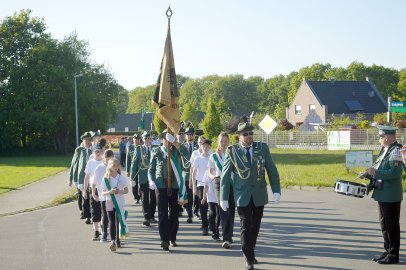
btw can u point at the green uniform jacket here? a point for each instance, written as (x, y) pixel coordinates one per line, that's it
(140, 164)
(83, 158)
(185, 154)
(390, 172)
(255, 184)
(129, 157)
(158, 168)
(73, 172)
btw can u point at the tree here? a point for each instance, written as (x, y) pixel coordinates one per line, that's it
(211, 122)
(189, 114)
(159, 125)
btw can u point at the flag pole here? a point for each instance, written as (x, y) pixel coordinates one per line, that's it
(168, 144)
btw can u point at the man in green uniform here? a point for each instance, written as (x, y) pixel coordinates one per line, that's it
(247, 161)
(129, 160)
(186, 149)
(139, 170)
(387, 171)
(77, 174)
(168, 208)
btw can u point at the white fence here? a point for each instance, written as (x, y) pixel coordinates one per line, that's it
(360, 139)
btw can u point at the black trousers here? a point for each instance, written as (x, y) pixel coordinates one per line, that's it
(80, 201)
(86, 205)
(168, 214)
(122, 158)
(105, 218)
(389, 215)
(250, 217)
(114, 225)
(136, 190)
(203, 208)
(148, 201)
(214, 218)
(227, 218)
(190, 200)
(196, 202)
(95, 209)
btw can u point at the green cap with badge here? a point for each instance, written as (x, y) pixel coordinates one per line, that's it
(86, 135)
(137, 135)
(386, 130)
(146, 134)
(244, 127)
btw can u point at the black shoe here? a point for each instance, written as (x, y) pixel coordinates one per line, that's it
(383, 255)
(205, 231)
(146, 223)
(173, 244)
(226, 245)
(180, 214)
(255, 261)
(165, 246)
(189, 220)
(389, 260)
(249, 266)
(215, 237)
(118, 244)
(96, 236)
(153, 220)
(87, 221)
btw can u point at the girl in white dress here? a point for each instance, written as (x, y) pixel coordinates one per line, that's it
(118, 187)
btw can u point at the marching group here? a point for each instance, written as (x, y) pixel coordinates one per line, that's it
(177, 175)
(207, 185)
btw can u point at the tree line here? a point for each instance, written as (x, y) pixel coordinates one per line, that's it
(234, 95)
(37, 87)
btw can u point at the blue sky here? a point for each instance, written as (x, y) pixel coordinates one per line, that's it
(257, 37)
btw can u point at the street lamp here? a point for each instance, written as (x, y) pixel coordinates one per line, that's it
(76, 109)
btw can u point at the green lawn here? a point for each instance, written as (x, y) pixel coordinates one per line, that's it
(319, 168)
(20, 171)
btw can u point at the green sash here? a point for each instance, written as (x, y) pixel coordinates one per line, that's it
(182, 195)
(118, 212)
(216, 159)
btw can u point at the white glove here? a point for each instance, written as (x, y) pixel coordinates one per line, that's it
(276, 197)
(170, 138)
(152, 185)
(133, 183)
(224, 205)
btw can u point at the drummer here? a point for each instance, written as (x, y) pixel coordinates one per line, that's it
(388, 168)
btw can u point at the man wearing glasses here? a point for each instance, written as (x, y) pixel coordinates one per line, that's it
(248, 161)
(388, 168)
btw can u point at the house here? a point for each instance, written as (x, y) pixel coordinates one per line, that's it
(130, 122)
(316, 101)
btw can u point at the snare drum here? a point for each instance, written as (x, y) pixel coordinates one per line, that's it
(350, 188)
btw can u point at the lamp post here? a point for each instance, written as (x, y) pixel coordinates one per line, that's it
(76, 109)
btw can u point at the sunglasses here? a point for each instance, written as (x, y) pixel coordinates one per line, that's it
(248, 133)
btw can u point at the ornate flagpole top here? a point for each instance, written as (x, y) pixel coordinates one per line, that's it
(169, 13)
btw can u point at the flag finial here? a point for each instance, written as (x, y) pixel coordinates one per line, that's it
(169, 13)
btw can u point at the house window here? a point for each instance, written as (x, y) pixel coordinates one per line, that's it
(312, 107)
(298, 109)
(126, 129)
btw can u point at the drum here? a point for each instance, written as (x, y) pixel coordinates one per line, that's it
(350, 188)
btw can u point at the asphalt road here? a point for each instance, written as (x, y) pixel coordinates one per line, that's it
(307, 230)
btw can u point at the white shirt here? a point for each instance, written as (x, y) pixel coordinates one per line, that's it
(200, 163)
(90, 169)
(119, 182)
(98, 176)
(213, 163)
